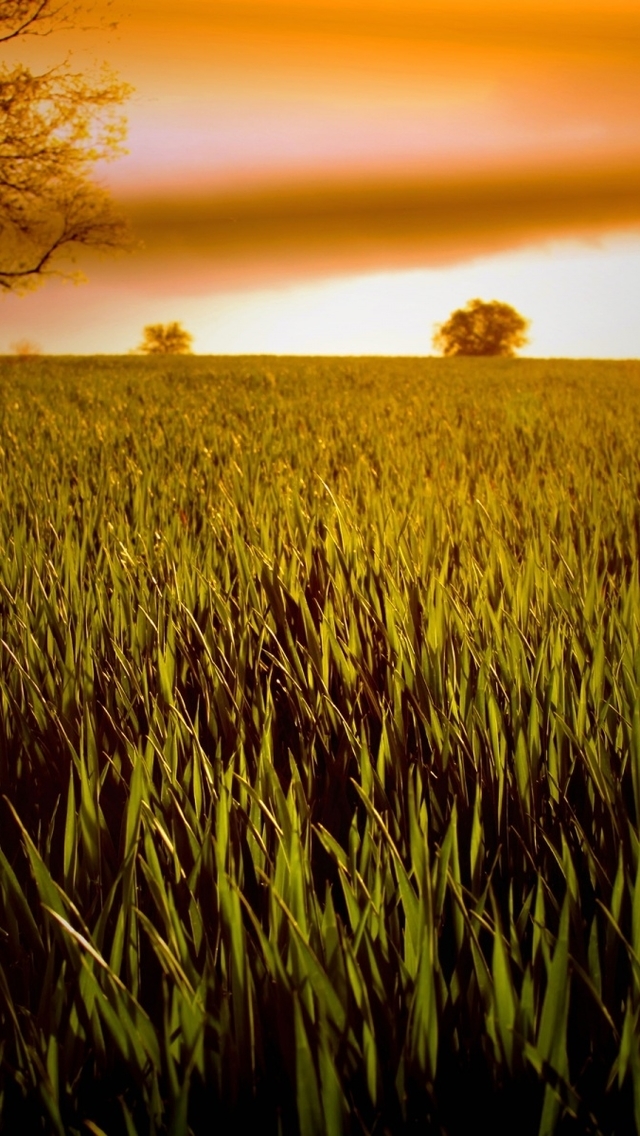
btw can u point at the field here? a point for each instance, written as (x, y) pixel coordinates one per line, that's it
(319, 746)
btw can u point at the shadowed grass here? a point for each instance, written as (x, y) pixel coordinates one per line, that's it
(319, 745)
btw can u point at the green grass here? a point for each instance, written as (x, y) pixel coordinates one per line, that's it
(319, 746)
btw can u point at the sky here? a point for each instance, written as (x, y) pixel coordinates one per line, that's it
(336, 176)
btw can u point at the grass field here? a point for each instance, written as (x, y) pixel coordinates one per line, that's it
(319, 746)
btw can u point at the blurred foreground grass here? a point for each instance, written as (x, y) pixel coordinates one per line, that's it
(319, 746)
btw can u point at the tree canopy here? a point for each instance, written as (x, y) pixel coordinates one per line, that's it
(482, 328)
(54, 126)
(165, 339)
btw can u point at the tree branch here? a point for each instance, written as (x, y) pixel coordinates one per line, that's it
(54, 127)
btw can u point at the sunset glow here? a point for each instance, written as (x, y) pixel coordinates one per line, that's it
(274, 145)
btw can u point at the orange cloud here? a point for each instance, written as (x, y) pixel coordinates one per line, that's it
(267, 135)
(237, 90)
(204, 243)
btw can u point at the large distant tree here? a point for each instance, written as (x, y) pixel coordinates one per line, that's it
(482, 328)
(54, 126)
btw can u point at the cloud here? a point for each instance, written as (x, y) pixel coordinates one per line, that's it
(313, 229)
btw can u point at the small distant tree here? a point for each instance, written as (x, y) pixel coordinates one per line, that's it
(482, 328)
(165, 339)
(25, 349)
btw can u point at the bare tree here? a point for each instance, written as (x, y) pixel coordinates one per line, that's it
(54, 126)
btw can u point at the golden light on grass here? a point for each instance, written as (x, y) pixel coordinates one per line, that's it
(319, 744)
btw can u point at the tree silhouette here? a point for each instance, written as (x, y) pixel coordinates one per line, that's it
(165, 339)
(482, 328)
(54, 126)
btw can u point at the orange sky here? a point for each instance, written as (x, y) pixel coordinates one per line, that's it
(292, 139)
(241, 96)
(230, 91)
(238, 96)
